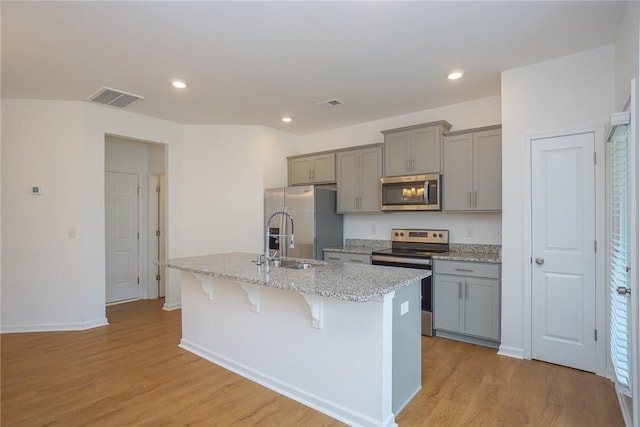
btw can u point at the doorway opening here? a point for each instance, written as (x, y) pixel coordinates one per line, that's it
(137, 219)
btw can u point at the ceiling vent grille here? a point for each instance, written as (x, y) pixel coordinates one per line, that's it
(114, 97)
(332, 102)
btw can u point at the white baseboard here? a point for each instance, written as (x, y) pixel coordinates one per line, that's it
(54, 327)
(516, 353)
(311, 400)
(172, 306)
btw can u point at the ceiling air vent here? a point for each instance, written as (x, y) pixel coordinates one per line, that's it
(332, 102)
(114, 97)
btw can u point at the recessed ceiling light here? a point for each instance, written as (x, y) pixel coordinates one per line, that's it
(179, 84)
(454, 75)
(287, 119)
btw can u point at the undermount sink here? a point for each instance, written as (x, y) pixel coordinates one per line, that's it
(299, 265)
(295, 265)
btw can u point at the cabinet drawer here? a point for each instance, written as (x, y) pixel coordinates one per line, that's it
(347, 257)
(461, 268)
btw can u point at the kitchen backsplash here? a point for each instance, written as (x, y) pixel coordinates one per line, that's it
(368, 243)
(453, 247)
(475, 247)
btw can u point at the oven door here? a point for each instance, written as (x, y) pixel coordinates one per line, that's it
(425, 288)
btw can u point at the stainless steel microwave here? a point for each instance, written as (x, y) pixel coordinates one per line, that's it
(411, 193)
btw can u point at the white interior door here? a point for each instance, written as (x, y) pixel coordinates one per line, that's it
(563, 250)
(121, 216)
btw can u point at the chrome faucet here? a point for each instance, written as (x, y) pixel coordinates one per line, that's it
(269, 235)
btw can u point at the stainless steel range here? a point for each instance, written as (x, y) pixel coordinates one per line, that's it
(413, 248)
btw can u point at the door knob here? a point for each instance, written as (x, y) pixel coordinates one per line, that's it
(623, 291)
(539, 261)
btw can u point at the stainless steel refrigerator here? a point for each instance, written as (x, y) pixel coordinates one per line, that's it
(315, 221)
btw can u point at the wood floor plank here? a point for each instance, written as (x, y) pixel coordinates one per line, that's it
(132, 373)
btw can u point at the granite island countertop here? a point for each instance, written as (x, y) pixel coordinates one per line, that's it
(345, 281)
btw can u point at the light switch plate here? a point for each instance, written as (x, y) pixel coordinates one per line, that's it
(404, 308)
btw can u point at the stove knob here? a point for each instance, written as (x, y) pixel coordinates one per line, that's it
(435, 235)
(440, 235)
(402, 234)
(395, 234)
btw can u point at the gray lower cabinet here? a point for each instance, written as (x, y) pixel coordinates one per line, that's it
(358, 180)
(467, 300)
(314, 169)
(347, 257)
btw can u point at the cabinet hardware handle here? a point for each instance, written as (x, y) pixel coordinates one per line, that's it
(470, 205)
(355, 260)
(313, 174)
(333, 258)
(468, 270)
(466, 291)
(408, 165)
(459, 290)
(475, 197)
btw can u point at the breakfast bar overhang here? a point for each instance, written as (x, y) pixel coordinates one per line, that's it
(341, 338)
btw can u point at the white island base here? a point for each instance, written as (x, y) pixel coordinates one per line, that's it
(358, 362)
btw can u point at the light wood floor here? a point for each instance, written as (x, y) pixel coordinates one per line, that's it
(133, 373)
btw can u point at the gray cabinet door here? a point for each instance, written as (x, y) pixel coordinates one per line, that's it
(324, 168)
(358, 179)
(300, 171)
(472, 176)
(397, 155)
(482, 307)
(448, 303)
(317, 169)
(425, 150)
(348, 181)
(457, 179)
(487, 170)
(370, 174)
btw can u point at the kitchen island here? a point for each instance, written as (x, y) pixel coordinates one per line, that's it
(341, 338)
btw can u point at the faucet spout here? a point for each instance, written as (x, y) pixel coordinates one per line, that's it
(269, 235)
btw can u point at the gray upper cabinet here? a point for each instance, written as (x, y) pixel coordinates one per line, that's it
(472, 175)
(358, 178)
(312, 169)
(414, 150)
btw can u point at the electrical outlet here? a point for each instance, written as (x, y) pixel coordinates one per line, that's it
(71, 232)
(469, 232)
(373, 228)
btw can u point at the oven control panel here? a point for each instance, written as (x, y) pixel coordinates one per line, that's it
(418, 235)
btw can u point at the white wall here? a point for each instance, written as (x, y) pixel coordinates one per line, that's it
(571, 92)
(51, 281)
(626, 53)
(42, 278)
(486, 227)
(226, 169)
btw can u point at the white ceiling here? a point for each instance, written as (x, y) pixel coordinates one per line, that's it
(253, 62)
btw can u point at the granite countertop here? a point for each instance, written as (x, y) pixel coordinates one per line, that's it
(351, 249)
(344, 281)
(360, 246)
(493, 258)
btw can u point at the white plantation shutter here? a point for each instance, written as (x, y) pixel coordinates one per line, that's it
(618, 195)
